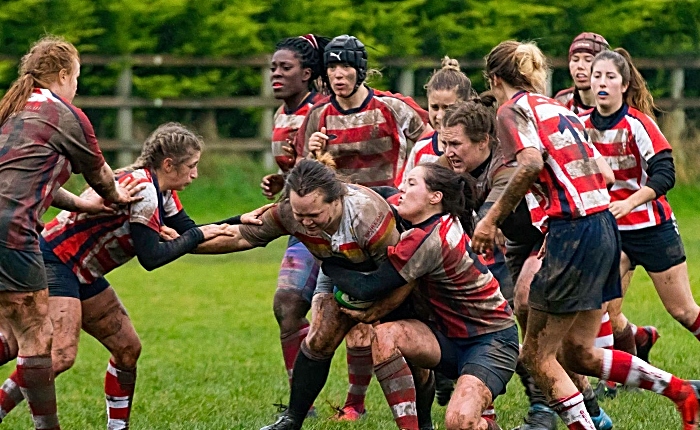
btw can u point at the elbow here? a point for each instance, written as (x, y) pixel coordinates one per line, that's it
(533, 166)
(147, 264)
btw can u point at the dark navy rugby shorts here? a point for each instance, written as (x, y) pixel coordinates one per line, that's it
(64, 283)
(656, 248)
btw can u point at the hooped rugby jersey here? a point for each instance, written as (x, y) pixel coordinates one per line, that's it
(39, 148)
(572, 101)
(93, 245)
(570, 185)
(465, 298)
(366, 229)
(371, 143)
(286, 125)
(627, 146)
(426, 150)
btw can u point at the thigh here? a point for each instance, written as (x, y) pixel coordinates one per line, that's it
(328, 325)
(66, 316)
(545, 332)
(106, 319)
(298, 271)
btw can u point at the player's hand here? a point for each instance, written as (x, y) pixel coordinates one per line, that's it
(484, 235)
(167, 233)
(367, 316)
(271, 185)
(620, 208)
(94, 204)
(127, 191)
(253, 217)
(211, 231)
(318, 141)
(500, 239)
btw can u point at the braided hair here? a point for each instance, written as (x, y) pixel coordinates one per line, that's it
(309, 50)
(170, 140)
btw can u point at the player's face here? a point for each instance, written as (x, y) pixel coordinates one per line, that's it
(313, 213)
(438, 101)
(287, 76)
(67, 83)
(607, 86)
(580, 70)
(417, 201)
(342, 77)
(182, 175)
(463, 154)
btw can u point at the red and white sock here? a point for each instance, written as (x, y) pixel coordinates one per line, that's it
(396, 381)
(360, 369)
(10, 395)
(290, 348)
(573, 412)
(695, 328)
(489, 413)
(605, 334)
(35, 378)
(5, 355)
(629, 370)
(119, 392)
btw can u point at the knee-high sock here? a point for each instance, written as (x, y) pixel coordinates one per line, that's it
(290, 348)
(590, 401)
(425, 395)
(35, 378)
(629, 370)
(605, 338)
(360, 369)
(10, 395)
(5, 354)
(311, 373)
(573, 413)
(119, 392)
(695, 328)
(396, 381)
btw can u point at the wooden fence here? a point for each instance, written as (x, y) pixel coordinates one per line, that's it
(125, 103)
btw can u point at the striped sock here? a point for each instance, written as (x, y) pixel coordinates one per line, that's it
(605, 334)
(119, 392)
(629, 370)
(396, 381)
(695, 327)
(10, 395)
(4, 350)
(573, 412)
(290, 348)
(360, 375)
(35, 378)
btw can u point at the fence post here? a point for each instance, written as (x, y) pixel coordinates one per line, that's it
(675, 124)
(266, 122)
(125, 119)
(407, 82)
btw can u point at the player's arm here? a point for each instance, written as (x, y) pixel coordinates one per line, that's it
(182, 222)
(381, 307)
(243, 236)
(365, 285)
(662, 177)
(233, 242)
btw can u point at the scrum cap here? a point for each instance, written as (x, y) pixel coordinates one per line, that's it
(590, 43)
(347, 49)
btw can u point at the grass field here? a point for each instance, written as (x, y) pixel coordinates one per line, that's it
(211, 357)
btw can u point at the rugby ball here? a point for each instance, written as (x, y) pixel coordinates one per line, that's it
(347, 301)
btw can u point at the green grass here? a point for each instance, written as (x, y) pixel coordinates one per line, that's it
(211, 357)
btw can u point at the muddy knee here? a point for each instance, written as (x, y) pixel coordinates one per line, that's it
(62, 359)
(290, 311)
(127, 356)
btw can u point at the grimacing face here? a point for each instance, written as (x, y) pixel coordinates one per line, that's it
(414, 202)
(463, 154)
(312, 212)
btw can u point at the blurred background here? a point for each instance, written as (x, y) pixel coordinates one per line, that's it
(205, 63)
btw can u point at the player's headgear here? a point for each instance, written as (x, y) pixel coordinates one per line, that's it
(349, 50)
(590, 43)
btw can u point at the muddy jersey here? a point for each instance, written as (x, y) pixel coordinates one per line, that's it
(464, 296)
(426, 150)
(630, 142)
(570, 184)
(369, 144)
(39, 148)
(286, 125)
(93, 245)
(366, 229)
(572, 101)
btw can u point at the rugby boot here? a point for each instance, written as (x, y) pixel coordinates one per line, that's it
(605, 390)
(643, 347)
(348, 413)
(688, 406)
(444, 387)
(491, 424)
(284, 422)
(602, 421)
(539, 417)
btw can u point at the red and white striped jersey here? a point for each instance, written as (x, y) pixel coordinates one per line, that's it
(426, 150)
(368, 227)
(93, 245)
(627, 146)
(464, 297)
(286, 124)
(371, 143)
(570, 185)
(571, 100)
